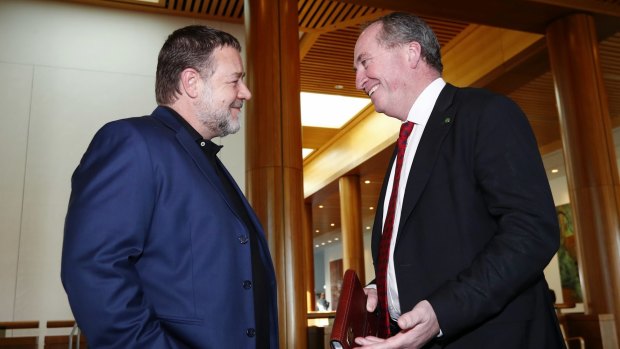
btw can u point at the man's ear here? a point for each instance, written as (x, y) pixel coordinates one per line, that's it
(190, 79)
(414, 54)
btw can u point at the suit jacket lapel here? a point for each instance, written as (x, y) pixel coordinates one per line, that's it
(439, 123)
(189, 145)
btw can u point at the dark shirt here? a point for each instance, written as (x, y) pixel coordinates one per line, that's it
(259, 273)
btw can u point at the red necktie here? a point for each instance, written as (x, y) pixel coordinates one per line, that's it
(386, 238)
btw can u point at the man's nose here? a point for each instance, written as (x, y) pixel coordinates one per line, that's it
(244, 92)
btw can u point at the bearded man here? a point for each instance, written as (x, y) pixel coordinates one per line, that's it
(161, 249)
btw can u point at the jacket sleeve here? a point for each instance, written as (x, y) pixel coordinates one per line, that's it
(511, 179)
(108, 219)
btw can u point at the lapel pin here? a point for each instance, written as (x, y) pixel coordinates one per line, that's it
(447, 120)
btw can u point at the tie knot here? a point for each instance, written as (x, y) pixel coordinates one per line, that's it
(405, 131)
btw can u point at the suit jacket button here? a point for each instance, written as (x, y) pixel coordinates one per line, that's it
(247, 284)
(250, 332)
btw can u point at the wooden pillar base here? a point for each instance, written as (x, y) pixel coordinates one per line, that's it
(598, 330)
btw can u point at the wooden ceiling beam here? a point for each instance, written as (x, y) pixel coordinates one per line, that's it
(315, 137)
(348, 22)
(306, 42)
(601, 7)
(523, 15)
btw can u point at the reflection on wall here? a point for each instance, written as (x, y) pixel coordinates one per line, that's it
(335, 277)
(567, 256)
(319, 271)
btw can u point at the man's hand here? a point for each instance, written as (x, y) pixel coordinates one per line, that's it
(373, 299)
(418, 326)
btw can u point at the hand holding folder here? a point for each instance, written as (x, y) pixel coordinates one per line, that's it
(352, 319)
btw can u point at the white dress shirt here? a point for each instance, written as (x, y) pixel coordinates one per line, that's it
(418, 114)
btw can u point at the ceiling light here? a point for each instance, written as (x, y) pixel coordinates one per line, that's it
(338, 87)
(316, 245)
(367, 228)
(336, 239)
(305, 152)
(371, 208)
(333, 224)
(367, 181)
(316, 231)
(555, 170)
(331, 111)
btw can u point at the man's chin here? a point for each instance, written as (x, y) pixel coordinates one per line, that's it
(231, 128)
(376, 102)
(233, 122)
(378, 108)
(235, 129)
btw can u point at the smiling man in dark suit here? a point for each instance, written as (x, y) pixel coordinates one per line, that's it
(465, 222)
(161, 248)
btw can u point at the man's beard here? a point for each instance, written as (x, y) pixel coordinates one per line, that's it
(220, 122)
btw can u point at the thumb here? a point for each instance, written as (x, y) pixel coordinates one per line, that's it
(371, 303)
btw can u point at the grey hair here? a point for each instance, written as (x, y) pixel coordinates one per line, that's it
(399, 28)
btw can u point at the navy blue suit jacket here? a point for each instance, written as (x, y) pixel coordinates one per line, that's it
(154, 255)
(478, 226)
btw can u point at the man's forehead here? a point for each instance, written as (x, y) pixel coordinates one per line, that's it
(364, 44)
(228, 57)
(367, 36)
(226, 52)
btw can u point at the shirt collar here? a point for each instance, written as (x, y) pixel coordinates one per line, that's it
(421, 109)
(209, 147)
(205, 144)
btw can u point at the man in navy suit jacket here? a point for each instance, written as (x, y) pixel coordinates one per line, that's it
(161, 248)
(474, 223)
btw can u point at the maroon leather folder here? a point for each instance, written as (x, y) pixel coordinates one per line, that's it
(352, 319)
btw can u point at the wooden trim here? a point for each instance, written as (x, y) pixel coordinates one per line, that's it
(60, 323)
(154, 3)
(13, 325)
(321, 315)
(610, 8)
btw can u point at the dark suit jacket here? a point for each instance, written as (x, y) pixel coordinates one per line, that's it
(478, 226)
(154, 255)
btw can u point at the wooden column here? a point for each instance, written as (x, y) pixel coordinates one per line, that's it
(351, 219)
(273, 152)
(590, 159)
(309, 258)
